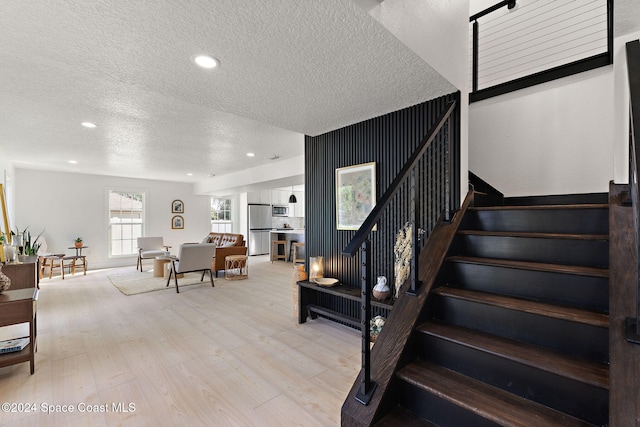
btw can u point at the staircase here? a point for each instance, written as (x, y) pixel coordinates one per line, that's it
(515, 331)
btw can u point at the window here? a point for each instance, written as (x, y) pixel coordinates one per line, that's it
(126, 213)
(221, 215)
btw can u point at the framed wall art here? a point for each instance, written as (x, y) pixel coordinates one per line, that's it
(177, 206)
(355, 195)
(177, 222)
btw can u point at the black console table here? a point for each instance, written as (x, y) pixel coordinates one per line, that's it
(310, 302)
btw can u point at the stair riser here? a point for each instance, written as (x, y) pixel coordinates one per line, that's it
(586, 253)
(586, 341)
(437, 410)
(587, 292)
(572, 221)
(563, 394)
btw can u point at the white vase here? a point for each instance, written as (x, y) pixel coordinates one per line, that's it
(381, 290)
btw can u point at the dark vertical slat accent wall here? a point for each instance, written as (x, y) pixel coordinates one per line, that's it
(388, 141)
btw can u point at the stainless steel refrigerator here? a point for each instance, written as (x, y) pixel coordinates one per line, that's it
(259, 217)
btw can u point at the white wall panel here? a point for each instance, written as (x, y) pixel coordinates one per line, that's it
(68, 205)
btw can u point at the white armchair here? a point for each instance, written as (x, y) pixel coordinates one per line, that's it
(193, 257)
(149, 248)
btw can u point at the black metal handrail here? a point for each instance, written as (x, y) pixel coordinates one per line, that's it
(361, 241)
(567, 69)
(633, 67)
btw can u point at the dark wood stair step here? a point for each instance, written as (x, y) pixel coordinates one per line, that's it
(567, 236)
(596, 374)
(539, 207)
(537, 266)
(401, 417)
(489, 402)
(533, 307)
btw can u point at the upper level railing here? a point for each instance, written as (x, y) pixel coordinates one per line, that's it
(633, 68)
(360, 239)
(518, 43)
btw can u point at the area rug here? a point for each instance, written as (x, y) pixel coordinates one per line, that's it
(134, 283)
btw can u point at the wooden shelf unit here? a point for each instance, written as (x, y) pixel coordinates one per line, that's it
(19, 306)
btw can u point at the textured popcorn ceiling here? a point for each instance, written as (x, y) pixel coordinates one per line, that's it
(288, 68)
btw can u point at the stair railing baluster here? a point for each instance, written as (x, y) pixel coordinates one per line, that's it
(415, 281)
(366, 385)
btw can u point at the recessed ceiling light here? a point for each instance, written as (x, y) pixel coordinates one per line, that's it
(73, 162)
(189, 174)
(251, 154)
(206, 61)
(88, 124)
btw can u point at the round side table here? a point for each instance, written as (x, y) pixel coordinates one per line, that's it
(236, 267)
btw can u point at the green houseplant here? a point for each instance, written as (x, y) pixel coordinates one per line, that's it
(79, 242)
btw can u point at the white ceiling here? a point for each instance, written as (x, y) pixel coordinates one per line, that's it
(288, 68)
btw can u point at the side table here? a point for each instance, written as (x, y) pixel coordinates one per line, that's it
(159, 269)
(19, 306)
(236, 267)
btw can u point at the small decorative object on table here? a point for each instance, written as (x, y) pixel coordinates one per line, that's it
(381, 290)
(5, 282)
(316, 268)
(326, 282)
(78, 242)
(375, 327)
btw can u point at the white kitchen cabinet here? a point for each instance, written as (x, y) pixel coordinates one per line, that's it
(262, 197)
(279, 197)
(297, 209)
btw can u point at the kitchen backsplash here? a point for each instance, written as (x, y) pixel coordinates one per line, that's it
(293, 221)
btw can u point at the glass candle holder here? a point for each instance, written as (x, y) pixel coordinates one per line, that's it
(316, 267)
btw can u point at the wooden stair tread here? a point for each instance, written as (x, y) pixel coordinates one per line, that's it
(535, 235)
(596, 374)
(533, 307)
(539, 207)
(492, 403)
(401, 417)
(538, 266)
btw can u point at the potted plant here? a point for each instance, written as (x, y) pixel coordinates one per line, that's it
(78, 242)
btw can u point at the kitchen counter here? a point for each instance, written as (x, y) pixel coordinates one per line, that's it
(295, 234)
(288, 231)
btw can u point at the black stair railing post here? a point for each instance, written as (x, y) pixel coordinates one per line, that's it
(447, 168)
(474, 81)
(366, 385)
(415, 282)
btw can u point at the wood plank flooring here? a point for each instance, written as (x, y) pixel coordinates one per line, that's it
(233, 355)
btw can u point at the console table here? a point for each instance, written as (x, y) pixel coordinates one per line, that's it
(19, 306)
(311, 297)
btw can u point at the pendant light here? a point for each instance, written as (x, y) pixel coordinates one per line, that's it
(292, 197)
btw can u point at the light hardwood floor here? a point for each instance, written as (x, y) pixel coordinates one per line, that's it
(233, 355)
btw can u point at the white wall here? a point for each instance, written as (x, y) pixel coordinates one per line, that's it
(438, 32)
(621, 108)
(553, 138)
(69, 205)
